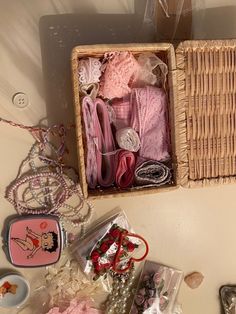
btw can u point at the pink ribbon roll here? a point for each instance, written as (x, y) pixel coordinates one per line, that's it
(125, 169)
(128, 139)
(100, 167)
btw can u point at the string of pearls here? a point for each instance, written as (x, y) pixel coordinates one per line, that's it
(121, 291)
(47, 189)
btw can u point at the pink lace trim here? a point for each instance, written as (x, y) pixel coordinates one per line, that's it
(149, 119)
(120, 70)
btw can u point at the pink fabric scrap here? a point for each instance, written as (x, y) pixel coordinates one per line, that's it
(121, 68)
(122, 109)
(150, 120)
(76, 307)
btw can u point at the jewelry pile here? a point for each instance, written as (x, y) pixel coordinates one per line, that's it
(44, 184)
(46, 193)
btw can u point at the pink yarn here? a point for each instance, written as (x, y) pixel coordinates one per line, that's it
(121, 68)
(125, 169)
(150, 120)
(76, 307)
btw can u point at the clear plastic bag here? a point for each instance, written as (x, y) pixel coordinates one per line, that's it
(157, 289)
(61, 283)
(172, 20)
(109, 246)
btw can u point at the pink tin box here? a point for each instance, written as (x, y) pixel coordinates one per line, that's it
(34, 241)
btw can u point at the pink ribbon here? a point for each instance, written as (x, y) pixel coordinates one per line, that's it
(125, 169)
(100, 167)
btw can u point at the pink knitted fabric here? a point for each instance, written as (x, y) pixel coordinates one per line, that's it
(149, 119)
(120, 70)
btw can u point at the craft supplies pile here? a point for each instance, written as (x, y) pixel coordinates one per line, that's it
(125, 119)
(100, 259)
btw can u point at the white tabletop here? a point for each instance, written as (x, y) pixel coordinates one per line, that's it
(192, 230)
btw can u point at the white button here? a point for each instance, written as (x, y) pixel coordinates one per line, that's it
(20, 100)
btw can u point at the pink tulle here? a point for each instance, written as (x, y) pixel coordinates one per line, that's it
(76, 307)
(153, 71)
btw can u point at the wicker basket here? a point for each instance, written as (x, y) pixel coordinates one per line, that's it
(202, 112)
(166, 52)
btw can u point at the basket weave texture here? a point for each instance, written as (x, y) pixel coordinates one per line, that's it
(206, 112)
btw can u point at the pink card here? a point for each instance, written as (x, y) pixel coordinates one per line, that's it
(34, 241)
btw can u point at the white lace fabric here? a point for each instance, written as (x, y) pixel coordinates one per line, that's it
(89, 71)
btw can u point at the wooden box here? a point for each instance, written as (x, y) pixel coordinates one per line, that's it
(202, 112)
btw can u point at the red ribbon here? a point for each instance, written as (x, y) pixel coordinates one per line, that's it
(132, 259)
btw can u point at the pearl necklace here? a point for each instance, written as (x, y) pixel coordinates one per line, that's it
(47, 189)
(121, 291)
